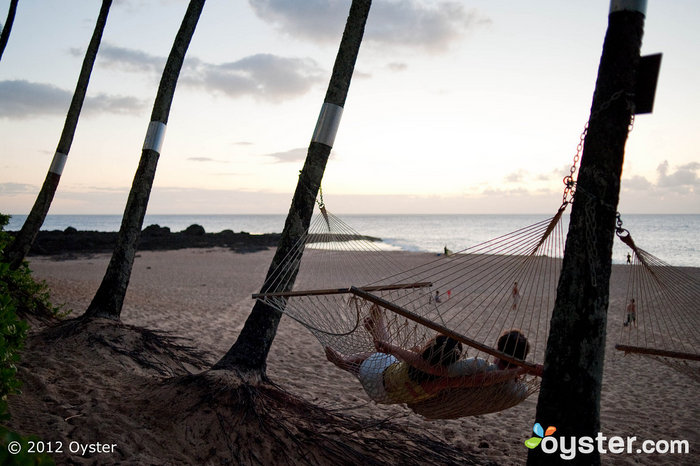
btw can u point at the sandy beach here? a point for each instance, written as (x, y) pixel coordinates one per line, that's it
(78, 388)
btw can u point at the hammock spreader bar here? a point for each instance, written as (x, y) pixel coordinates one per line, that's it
(289, 294)
(658, 352)
(440, 328)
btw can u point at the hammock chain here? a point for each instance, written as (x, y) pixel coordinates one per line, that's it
(569, 181)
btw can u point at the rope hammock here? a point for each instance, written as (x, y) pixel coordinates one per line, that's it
(348, 293)
(660, 316)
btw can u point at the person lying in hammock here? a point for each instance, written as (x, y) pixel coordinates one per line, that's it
(398, 375)
(486, 398)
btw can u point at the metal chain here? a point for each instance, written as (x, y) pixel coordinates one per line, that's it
(570, 186)
(569, 181)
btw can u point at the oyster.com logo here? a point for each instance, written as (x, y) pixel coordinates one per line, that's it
(540, 433)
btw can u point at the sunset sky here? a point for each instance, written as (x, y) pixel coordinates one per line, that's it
(455, 106)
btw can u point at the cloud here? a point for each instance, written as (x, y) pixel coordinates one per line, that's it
(397, 67)
(262, 76)
(293, 155)
(11, 189)
(406, 23)
(125, 59)
(685, 176)
(24, 99)
(206, 160)
(681, 179)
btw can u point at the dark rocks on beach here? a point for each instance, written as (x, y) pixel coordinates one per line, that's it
(71, 242)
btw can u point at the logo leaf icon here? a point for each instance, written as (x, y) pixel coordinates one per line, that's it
(532, 442)
(538, 430)
(550, 430)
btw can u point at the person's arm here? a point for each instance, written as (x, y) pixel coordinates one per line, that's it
(410, 357)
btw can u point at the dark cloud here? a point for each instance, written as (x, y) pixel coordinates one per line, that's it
(24, 99)
(130, 60)
(684, 176)
(262, 76)
(293, 155)
(402, 23)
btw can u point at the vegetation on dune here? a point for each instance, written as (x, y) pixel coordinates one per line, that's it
(19, 293)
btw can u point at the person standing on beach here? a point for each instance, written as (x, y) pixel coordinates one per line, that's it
(631, 314)
(515, 294)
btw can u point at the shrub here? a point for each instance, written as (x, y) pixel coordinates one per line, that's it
(18, 290)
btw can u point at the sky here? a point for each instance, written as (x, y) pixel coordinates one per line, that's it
(455, 106)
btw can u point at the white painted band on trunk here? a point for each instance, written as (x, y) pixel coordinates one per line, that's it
(154, 136)
(327, 124)
(58, 162)
(629, 5)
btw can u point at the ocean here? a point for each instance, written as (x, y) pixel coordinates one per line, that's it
(671, 238)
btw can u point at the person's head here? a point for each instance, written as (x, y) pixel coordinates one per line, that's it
(513, 343)
(440, 351)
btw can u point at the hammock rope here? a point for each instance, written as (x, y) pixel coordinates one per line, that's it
(660, 315)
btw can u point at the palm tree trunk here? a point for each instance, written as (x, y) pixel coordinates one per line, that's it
(22, 243)
(5, 35)
(109, 299)
(569, 396)
(249, 352)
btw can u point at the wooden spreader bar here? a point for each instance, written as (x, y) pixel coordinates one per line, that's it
(440, 328)
(658, 352)
(289, 294)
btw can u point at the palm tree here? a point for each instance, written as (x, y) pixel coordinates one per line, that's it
(8, 26)
(249, 352)
(109, 299)
(570, 392)
(22, 243)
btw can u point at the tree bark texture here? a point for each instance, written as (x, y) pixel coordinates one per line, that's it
(109, 299)
(249, 352)
(569, 396)
(20, 246)
(7, 28)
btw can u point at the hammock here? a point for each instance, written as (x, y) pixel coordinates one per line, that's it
(661, 313)
(347, 281)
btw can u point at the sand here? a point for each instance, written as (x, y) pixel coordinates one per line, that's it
(82, 384)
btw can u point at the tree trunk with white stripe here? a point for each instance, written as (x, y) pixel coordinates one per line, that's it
(19, 248)
(109, 299)
(249, 352)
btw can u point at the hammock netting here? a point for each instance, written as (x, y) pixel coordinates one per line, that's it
(661, 314)
(348, 288)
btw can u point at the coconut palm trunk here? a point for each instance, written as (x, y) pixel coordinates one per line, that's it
(249, 352)
(109, 298)
(5, 35)
(18, 249)
(570, 392)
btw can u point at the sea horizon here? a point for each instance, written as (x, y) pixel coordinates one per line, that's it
(670, 237)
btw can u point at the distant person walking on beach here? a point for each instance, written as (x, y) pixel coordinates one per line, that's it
(515, 294)
(631, 314)
(629, 258)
